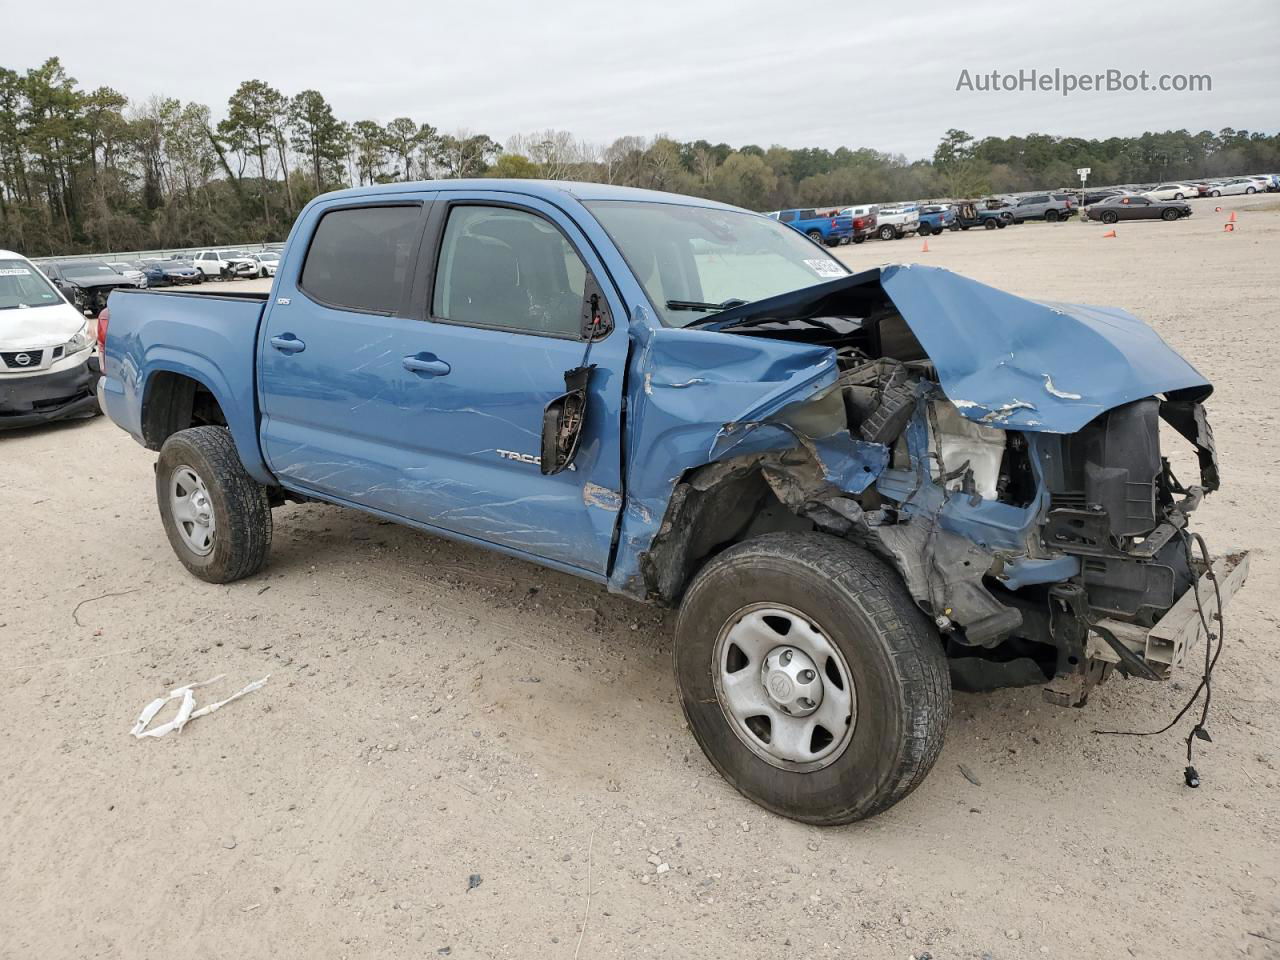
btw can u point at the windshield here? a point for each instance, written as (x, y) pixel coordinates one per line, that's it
(23, 286)
(86, 268)
(695, 261)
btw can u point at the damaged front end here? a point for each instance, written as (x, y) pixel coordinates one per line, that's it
(1003, 455)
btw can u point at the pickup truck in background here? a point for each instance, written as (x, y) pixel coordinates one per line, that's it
(828, 227)
(858, 489)
(864, 221)
(936, 217)
(897, 221)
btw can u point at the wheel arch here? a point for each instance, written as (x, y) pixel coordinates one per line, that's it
(176, 396)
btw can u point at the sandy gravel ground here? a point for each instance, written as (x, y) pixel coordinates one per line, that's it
(435, 712)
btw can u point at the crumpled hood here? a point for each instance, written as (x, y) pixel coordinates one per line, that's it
(1005, 360)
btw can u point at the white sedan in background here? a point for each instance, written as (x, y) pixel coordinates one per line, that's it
(268, 261)
(1172, 191)
(129, 272)
(1239, 185)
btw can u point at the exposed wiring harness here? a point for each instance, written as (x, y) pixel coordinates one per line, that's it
(1212, 651)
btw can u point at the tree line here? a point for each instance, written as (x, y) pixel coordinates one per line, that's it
(91, 170)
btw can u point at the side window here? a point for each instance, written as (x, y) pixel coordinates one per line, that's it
(788, 216)
(808, 214)
(359, 257)
(508, 268)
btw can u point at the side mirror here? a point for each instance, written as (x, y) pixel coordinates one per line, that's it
(562, 422)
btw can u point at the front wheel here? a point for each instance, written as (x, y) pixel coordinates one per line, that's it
(1169, 215)
(810, 679)
(1051, 216)
(1215, 193)
(217, 517)
(886, 232)
(1250, 190)
(989, 224)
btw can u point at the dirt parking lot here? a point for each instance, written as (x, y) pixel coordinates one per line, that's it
(455, 749)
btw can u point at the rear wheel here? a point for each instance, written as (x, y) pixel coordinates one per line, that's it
(217, 517)
(815, 236)
(1250, 190)
(989, 224)
(809, 678)
(1215, 193)
(1051, 216)
(925, 230)
(859, 239)
(1109, 216)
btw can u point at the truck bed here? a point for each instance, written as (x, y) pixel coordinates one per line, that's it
(211, 338)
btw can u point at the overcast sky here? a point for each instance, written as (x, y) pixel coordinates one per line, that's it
(743, 71)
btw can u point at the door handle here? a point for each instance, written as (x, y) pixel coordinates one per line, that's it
(427, 364)
(288, 343)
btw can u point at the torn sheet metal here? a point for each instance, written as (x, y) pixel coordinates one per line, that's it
(1002, 359)
(1030, 365)
(187, 709)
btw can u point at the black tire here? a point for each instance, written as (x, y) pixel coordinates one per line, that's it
(1001, 224)
(954, 227)
(989, 224)
(964, 226)
(887, 232)
(925, 230)
(1169, 215)
(859, 239)
(894, 656)
(815, 236)
(1215, 193)
(1109, 216)
(1051, 216)
(1178, 196)
(1251, 190)
(240, 508)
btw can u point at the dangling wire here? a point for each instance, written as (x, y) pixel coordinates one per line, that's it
(1211, 653)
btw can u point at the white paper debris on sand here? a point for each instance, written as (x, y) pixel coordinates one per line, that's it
(187, 709)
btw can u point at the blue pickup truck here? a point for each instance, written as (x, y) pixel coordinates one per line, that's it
(936, 217)
(829, 227)
(857, 488)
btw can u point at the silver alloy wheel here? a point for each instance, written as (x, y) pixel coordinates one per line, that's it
(785, 688)
(192, 510)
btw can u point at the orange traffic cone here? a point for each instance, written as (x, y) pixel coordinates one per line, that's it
(925, 248)
(1229, 227)
(1109, 233)
(1232, 218)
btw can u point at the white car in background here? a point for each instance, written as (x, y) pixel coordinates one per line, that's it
(895, 221)
(48, 369)
(1172, 191)
(1236, 186)
(225, 264)
(129, 272)
(268, 261)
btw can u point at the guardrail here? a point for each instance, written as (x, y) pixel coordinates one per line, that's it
(164, 253)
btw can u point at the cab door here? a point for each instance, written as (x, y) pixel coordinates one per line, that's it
(510, 279)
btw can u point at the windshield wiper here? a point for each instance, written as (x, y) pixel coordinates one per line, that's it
(700, 305)
(761, 321)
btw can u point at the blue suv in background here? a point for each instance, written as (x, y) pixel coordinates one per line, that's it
(822, 226)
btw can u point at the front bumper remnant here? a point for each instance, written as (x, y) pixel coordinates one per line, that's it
(1167, 644)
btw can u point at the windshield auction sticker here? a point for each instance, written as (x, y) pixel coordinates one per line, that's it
(825, 268)
(15, 272)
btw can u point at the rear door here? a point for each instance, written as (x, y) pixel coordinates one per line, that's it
(338, 405)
